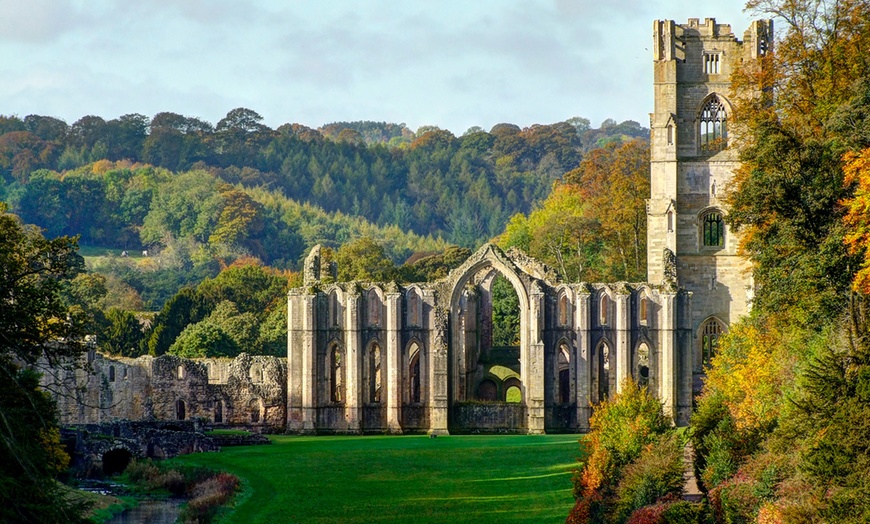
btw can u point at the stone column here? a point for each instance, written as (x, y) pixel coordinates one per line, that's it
(583, 359)
(394, 363)
(353, 372)
(309, 363)
(623, 339)
(668, 355)
(438, 398)
(532, 361)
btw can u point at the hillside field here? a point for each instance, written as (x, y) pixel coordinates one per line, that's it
(386, 479)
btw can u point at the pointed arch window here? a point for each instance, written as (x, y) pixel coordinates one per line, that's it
(603, 310)
(563, 310)
(564, 374)
(375, 374)
(643, 310)
(710, 339)
(414, 375)
(713, 128)
(336, 393)
(713, 229)
(643, 364)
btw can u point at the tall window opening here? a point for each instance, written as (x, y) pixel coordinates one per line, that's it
(111, 373)
(218, 411)
(180, 409)
(374, 308)
(375, 373)
(333, 309)
(414, 308)
(714, 229)
(563, 310)
(713, 129)
(564, 374)
(335, 375)
(254, 408)
(603, 372)
(710, 339)
(643, 365)
(643, 311)
(414, 375)
(603, 309)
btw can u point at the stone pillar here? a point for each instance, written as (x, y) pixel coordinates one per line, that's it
(623, 339)
(394, 363)
(668, 355)
(353, 354)
(294, 372)
(438, 398)
(309, 363)
(583, 359)
(532, 362)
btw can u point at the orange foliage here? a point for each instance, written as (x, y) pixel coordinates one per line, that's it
(857, 219)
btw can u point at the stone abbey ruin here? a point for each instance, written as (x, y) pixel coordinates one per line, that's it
(383, 357)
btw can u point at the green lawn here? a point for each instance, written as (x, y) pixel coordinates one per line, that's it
(453, 479)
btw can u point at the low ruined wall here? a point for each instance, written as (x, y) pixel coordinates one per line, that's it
(488, 417)
(246, 391)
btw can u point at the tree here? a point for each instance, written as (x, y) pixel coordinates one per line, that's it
(363, 259)
(123, 334)
(34, 324)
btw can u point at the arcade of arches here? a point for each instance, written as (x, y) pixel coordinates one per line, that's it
(367, 357)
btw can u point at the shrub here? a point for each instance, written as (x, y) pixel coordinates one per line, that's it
(669, 511)
(620, 429)
(656, 474)
(208, 496)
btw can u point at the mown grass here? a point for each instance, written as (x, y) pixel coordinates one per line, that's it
(452, 479)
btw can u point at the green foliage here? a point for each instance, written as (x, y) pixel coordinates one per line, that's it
(656, 474)
(203, 339)
(431, 267)
(185, 308)
(123, 334)
(505, 313)
(364, 259)
(34, 324)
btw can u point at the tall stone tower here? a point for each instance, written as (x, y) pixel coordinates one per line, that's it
(692, 162)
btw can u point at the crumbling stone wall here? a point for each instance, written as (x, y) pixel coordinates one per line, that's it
(247, 391)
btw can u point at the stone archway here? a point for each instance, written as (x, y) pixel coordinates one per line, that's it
(116, 460)
(465, 333)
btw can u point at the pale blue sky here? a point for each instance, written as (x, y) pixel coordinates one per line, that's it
(453, 64)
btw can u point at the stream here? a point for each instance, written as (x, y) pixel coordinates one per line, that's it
(150, 511)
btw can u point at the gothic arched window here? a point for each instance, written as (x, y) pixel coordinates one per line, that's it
(335, 375)
(375, 373)
(713, 229)
(710, 334)
(414, 375)
(713, 131)
(603, 306)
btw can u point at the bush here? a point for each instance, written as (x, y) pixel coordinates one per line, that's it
(621, 428)
(208, 496)
(669, 511)
(655, 475)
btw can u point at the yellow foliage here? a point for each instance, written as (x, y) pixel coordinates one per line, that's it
(749, 370)
(856, 170)
(101, 167)
(58, 459)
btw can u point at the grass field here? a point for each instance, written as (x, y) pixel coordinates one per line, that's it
(453, 479)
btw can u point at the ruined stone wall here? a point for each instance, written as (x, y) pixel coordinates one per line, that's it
(247, 391)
